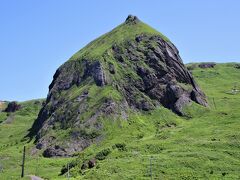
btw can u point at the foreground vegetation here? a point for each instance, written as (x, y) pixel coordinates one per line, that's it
(13, 130)
(204, 144)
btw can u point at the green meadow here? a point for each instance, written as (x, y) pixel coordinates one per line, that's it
(203, 144)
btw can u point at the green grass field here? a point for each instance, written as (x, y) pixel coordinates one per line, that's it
(205, 144)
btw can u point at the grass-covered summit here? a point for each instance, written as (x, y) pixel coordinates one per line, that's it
(132, 69)
(126, 31)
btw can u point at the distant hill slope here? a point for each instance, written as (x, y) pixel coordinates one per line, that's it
(204, 144)
(2, 105)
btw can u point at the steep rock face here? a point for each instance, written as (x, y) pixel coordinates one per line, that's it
(136, 72)
(162, 75)
(60, 112)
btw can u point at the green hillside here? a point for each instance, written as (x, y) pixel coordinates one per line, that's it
(203, 144)
(115, 79)
(125, 31)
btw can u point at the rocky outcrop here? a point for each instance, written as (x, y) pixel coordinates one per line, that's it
(12, 107)
(75, 72)
(55, 152)
(98, 74)
(163, 77)
(207, 65)
(237, 66)
(132, 19)
(140, 73)
(92, 163)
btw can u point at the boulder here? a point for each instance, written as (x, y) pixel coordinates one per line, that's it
(12, 107)
(92, 163)
(132, 19)
(55, 151)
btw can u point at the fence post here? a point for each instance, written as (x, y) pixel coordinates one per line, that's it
(23, 161)
(150, 167)
(68, 171)
(214, 103)
(1, 168)
(37, 167)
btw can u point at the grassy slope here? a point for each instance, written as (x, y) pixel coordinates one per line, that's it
(3, 116)
(205, 146)
(121, 33)
(12, 141)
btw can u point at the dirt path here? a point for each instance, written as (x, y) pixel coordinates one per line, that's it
(9, 119)
(35, 177)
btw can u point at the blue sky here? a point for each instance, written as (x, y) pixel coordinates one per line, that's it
(37, 36)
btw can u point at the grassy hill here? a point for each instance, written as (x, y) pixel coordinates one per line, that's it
(204, 144)
(131, 69)
(125, 31)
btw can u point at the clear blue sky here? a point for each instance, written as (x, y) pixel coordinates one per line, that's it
(37, 36)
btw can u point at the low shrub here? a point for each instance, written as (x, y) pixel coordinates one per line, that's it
(103, 154)
(120, 146)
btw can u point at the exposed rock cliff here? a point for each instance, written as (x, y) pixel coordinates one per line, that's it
(132, 67)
